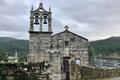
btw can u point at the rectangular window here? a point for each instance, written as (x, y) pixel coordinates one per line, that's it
(66, 43)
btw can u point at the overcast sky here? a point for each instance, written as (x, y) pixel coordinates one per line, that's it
(92, 19)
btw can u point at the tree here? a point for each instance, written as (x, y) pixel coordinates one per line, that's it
(3, 56)
(91, 52)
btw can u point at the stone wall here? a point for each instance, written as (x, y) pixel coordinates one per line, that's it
(38, 44)
(76, 45)
(89, 73)
(26, 71)
(40, 71)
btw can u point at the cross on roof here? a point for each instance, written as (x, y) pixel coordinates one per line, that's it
(66, 27)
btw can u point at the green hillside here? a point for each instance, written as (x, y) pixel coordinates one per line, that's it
(8, 46)
(106, 46)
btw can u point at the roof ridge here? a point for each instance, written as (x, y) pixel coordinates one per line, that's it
(70, 32)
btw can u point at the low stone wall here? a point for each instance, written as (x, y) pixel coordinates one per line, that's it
(89, 73)
(26, 71)
(18, 71)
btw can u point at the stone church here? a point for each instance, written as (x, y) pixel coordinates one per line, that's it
(58, 49)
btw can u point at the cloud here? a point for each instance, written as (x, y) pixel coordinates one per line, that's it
(14, 18)
(18, 35)
(13, 8)
(94, 19)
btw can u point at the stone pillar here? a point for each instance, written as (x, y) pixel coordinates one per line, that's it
(49, 25)
(31, 24)
(40, 25)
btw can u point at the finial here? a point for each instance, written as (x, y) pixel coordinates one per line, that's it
(50, 8)
(41, 5)
(32, 8)
(66, 27)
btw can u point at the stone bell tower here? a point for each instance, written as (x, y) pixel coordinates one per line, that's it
(39, 40)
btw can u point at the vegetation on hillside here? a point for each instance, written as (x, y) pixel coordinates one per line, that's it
(8, 46)
(106, 46)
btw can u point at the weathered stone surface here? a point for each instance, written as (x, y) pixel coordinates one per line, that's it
(77, 46)
(59, 49)
(39, 43)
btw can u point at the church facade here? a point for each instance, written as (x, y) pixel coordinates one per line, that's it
(59, 49)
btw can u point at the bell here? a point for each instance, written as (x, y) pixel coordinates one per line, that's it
(45, 21)
(36, 20)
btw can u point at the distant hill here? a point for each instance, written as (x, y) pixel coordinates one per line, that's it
(10, 45)
(107, 46)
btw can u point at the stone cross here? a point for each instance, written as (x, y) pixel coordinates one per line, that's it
(66, 27)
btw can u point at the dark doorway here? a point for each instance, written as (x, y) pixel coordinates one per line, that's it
(66, 68)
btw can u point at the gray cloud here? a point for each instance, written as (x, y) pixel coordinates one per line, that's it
(2, 2)
(94, 19)
(14, 18)
(98, 17)
(13, 8)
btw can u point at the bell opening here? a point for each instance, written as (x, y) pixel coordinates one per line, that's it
(45, 20)
(36, 22)
(45, 25)
(36, 28)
